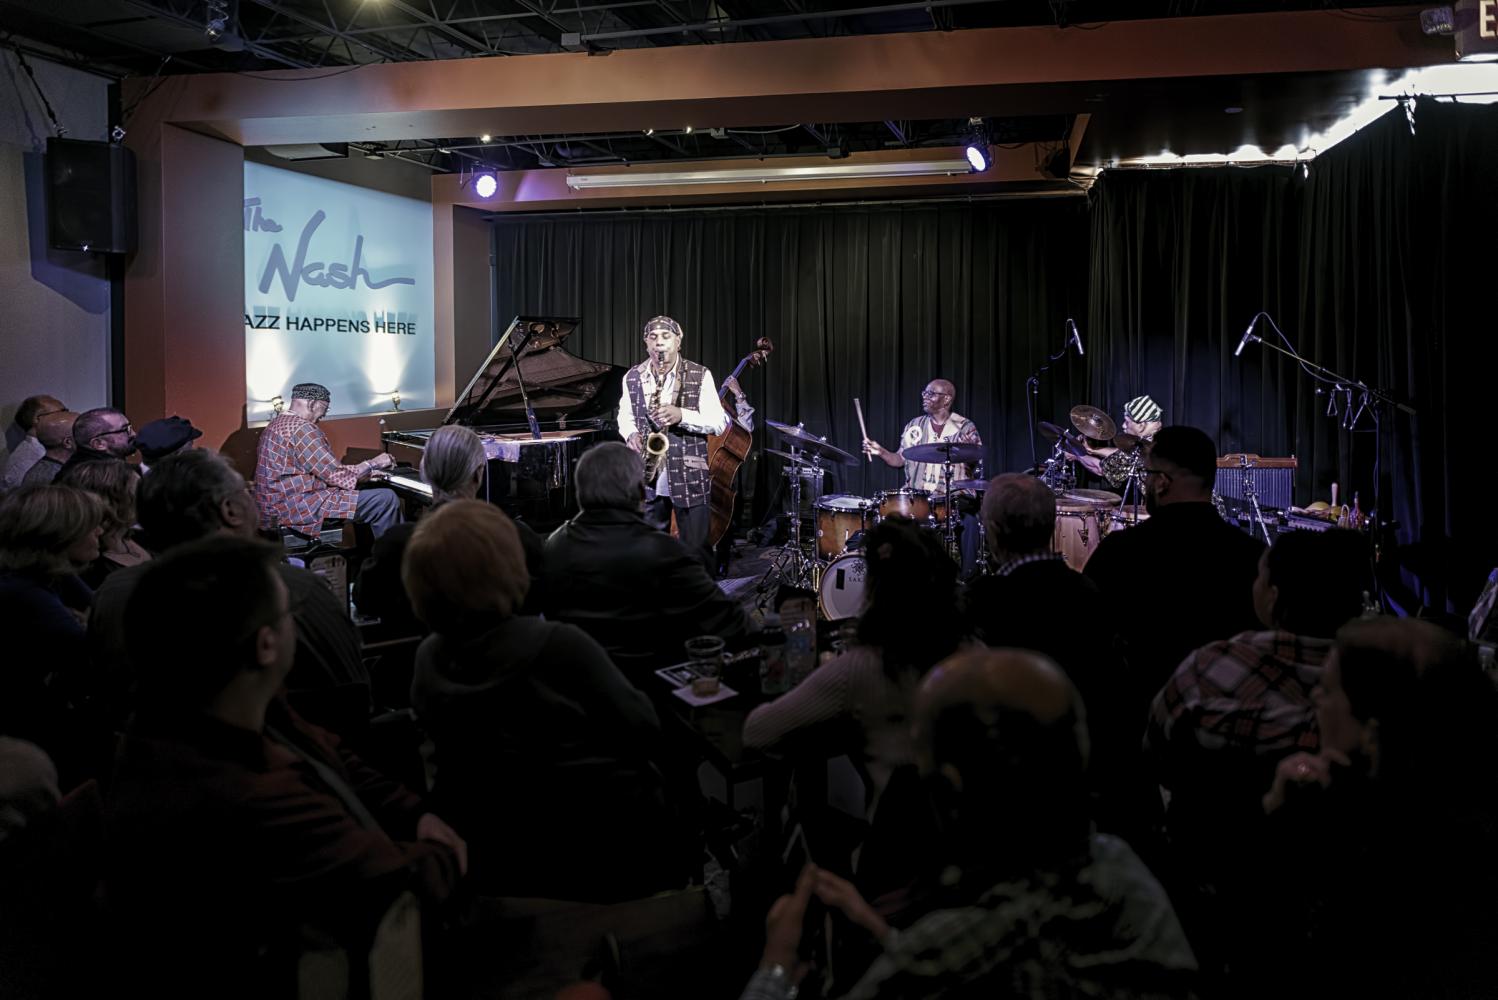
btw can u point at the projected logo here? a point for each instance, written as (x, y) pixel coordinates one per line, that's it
(338, 290)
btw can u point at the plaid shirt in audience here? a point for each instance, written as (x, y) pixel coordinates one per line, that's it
(298, 481)
(1251, 692)
(1104, 929)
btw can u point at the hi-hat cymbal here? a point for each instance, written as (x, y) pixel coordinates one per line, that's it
(940, 452)
(808, 441)
(1050, 431)
(1093, 422)
(979, 485)
(794, 459)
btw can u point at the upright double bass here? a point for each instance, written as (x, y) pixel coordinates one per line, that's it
(727, 451)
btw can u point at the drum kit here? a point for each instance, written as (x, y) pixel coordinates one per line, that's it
(1085, 517)
(831, 563)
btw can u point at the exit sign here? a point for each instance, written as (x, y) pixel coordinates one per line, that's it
(1476, 30)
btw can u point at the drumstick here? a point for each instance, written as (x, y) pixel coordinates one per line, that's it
(861, 426)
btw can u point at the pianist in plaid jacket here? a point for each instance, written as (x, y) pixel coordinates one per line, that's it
(298, 481)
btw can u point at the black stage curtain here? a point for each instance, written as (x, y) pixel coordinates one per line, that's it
(1377, 263)
(867, 302)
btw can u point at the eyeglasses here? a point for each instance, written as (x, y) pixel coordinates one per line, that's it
(928, 394)
(119, 430)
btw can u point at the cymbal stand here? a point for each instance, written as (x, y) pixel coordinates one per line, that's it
(1251, 497)
(949, 534)
(1133, 486)
(791, 567)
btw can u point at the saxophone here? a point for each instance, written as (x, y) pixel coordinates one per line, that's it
(657, 444)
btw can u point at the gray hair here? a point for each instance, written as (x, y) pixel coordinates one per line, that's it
(453, 454)
(178, 500)
(1019, 513)
(610, 475)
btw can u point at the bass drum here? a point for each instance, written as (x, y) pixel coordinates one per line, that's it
(840, 594)
(1078, 531)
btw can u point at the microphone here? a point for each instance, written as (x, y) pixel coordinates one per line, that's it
(1247, 335)
(1076, 338)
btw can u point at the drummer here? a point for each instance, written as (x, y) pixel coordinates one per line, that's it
(1142, 419)
(937, 422)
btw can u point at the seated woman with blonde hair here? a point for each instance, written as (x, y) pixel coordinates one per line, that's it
(114, 481)
(543, 749)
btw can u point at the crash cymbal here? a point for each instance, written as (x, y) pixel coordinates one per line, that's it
(1093, 422)
(939, 452)
(808, 441)
(1097, 498)
(1125, 441)
(1050, 431)
(978, 485)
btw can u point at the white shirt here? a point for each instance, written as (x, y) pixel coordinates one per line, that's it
(708, 418)
(28, 452)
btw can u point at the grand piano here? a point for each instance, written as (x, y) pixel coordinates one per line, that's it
(533, 449)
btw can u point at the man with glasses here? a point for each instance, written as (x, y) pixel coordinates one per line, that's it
(1194, 571)
(26, 450)
(101, 434)
(298, 480)
(937, 422)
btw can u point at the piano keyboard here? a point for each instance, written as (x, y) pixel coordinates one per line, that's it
(404, 480)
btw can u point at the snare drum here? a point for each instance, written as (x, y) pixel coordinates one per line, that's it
(914, 504)
(838, 517)
(1078, 531)
(840, 594)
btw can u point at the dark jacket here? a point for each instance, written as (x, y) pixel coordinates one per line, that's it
(1049, 607)
(222, 841)
(540, 744)
(380, 593)
(327, 645)
(44, 677)
(1176, 582)
(636, 590)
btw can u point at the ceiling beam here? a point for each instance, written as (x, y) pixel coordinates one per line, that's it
(987, 72)
(546, 190)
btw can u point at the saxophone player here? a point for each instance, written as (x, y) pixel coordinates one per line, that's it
(669, 395)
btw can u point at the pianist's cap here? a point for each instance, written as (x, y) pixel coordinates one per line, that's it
(663, 323)
(1142, 410)
(313, 391)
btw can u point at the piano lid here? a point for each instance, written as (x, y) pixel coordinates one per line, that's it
(560, 384)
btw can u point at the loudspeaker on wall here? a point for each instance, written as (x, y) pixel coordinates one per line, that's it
(90, 196)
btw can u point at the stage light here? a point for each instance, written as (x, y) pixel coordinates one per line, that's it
(650, 131)
(485, 185)
(485, 137)
(977, 146)
(688, 130)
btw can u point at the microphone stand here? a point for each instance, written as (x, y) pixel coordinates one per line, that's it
(1032, 394)
(1378, 397)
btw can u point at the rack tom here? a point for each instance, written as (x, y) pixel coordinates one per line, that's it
(914, 504)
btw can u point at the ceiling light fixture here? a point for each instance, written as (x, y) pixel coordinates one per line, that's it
(485, 185)
(485, 137)
(769, 175)
(977, 146)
